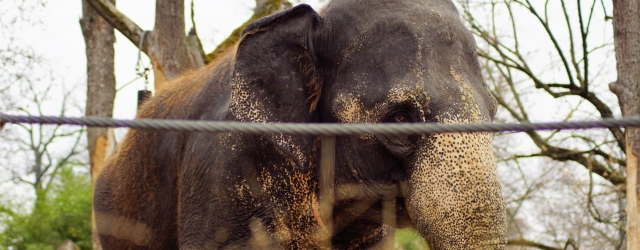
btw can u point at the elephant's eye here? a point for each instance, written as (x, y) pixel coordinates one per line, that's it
(401, 118)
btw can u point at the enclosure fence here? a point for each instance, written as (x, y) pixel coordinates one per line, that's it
(323, 129)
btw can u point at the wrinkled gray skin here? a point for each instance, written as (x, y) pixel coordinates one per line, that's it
(416, 62)
(373, 61)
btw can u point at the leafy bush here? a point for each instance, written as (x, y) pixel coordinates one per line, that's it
(63, 212)
(410, 239)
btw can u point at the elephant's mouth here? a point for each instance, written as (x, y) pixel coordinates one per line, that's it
(402, 214)
(390, 209)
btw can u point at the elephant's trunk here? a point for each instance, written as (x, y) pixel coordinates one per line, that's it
(454, 195)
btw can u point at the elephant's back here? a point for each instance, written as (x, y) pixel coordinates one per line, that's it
(199, 95)
(136, 194)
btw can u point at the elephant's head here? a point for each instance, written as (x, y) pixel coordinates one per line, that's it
(383, 61)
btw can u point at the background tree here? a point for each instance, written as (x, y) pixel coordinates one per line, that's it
(101, 91)
(15, 58)
(626, 23)
(28, 87)
(570, 190)
(63, 215)
(31, 156)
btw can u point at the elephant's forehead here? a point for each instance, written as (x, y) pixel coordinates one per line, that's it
(390, 49)
(438, 19)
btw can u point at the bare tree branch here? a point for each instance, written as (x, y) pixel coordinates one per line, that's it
(528, 243)
(552, 37)
(520, 64)
(75, 150)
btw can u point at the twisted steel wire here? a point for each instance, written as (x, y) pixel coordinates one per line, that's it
(316, 128)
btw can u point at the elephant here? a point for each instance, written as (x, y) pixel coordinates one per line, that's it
(354, 61)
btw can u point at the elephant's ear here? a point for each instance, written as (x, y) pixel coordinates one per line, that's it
(275, 78)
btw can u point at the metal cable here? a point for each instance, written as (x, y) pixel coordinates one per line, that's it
(316, 128)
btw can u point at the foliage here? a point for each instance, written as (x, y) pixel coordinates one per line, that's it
(64, 212)
(409, 240)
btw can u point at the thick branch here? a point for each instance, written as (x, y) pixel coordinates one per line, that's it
(118, 20)
(561, 154)
(605, 112)
(528, 243)
(170, 50)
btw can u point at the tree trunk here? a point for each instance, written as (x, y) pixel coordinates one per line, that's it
(626, 23)
(101, 90)
(171, 53)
